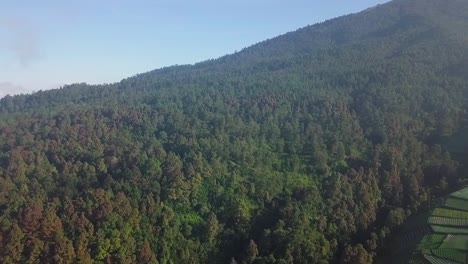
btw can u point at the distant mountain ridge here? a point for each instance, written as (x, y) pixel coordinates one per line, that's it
(417, 20)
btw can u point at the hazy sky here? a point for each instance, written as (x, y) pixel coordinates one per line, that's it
(47, 43)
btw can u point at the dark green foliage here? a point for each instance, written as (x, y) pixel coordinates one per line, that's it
(308, 148)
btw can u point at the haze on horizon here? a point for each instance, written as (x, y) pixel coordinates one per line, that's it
(46, 44)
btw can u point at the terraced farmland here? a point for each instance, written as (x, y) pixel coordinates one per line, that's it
(446, 221)
(449, 230)
(449, 254)
(436, 260)
(439, 236)
(431, 241)
(462, 194)
(459, 242)
(456, 204)
(445, 212)
(448, 240)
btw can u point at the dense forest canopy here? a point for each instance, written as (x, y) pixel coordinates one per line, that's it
(312, 147)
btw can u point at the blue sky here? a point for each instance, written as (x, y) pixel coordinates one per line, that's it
(45, 44)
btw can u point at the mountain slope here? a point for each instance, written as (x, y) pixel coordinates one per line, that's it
(397, 30)
(311, 147)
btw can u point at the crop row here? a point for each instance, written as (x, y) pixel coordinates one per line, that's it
(456, 203)
(451, 213)
(449, 254)
(436, 260)
(462, 194)
(436, 220)
(431, 241)
(449, 229)
(459, 242)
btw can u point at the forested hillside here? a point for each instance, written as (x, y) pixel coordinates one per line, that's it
(312, 147)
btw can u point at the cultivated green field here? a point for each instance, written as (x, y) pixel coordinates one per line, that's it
(449, 230)
(459, 242)
(461, 194)
(449, 254)
(431, 241)
(445, 212)
(439, 236)
(446, 221)
(448, 241)
(456, 203)
(436, 260)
